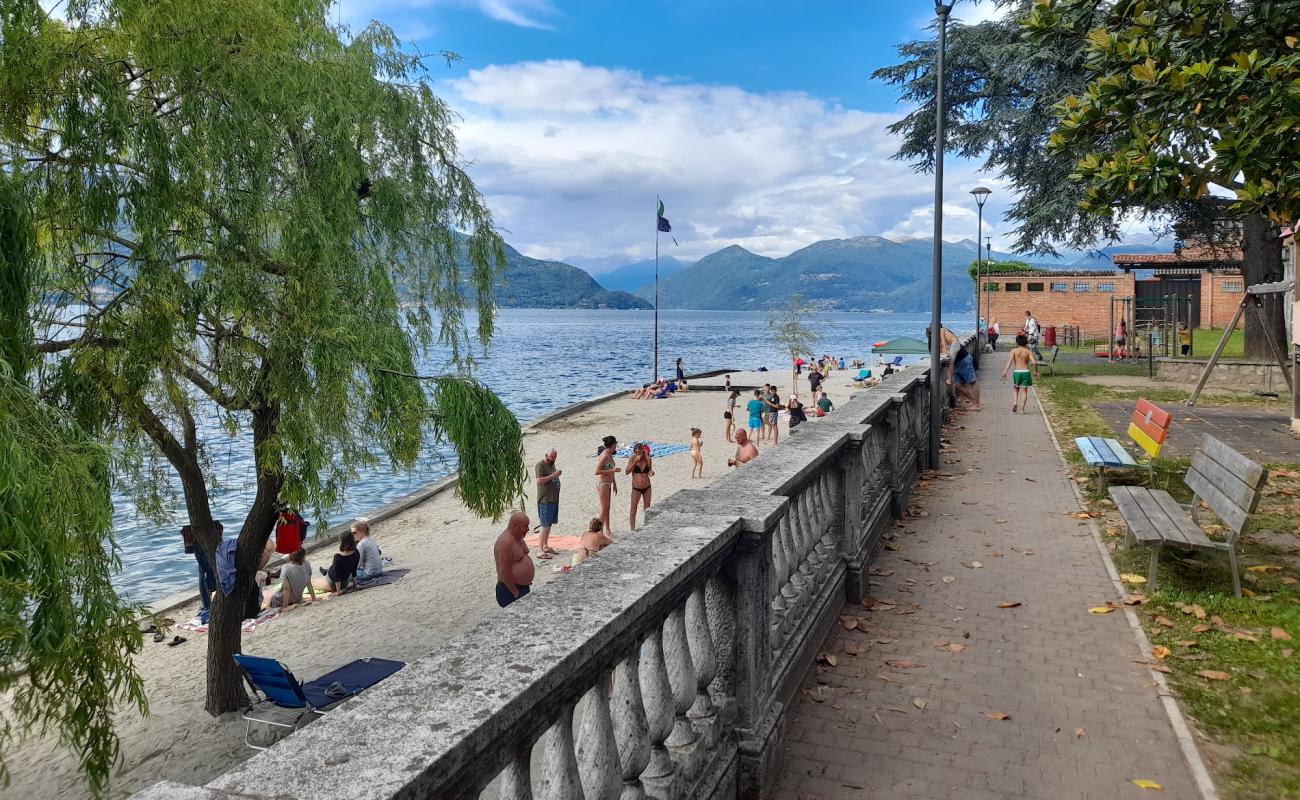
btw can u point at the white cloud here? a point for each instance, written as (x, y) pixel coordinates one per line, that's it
(571, 157)
(411, 15)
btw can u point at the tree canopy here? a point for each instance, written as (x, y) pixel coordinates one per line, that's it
(248, 215)
(790, 329)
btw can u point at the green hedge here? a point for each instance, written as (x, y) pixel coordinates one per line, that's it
(1001, 268)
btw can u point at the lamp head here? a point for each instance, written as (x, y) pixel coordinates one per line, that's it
(981, 194)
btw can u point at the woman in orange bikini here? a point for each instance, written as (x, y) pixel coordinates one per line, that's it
(606, 485)
(641, 467)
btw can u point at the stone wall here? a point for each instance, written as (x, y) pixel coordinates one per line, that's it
(1240, 376)
(661, 668)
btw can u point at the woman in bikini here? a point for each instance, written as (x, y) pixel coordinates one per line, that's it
(606, 485)
(593, 541)
(641, 467)
(730, 414)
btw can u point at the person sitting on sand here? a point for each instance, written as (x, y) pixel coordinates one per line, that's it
(371, 565)
(682, 388)
(797, 415)
(669, 389)
(294, 578)
(824, 405)
(592, 542)
(342, 573)
(745, 450)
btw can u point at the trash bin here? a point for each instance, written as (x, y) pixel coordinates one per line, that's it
(1049, 336)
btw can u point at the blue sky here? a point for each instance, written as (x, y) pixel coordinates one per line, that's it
(757, 122)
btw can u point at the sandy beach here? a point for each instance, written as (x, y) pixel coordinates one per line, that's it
(449, 587)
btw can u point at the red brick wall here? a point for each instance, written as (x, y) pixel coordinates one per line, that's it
(1218, 304)
(1089, 310)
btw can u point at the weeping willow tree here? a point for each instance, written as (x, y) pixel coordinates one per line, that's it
(66, 639)
(247, 213)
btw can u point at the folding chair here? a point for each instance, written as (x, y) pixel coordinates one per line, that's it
(274, 685)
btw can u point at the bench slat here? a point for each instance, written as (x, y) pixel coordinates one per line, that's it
(1088, 451)
(1135, 516)
(1119, 457)
(1154, 516)
(1151, 446)
(1172, 526)
(1233, 515)
(1158, 416)
(1191, 532)
(1247, 471)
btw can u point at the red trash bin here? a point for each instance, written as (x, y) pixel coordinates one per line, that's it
(1049, 336)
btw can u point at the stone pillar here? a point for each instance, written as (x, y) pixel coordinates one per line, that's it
(748, 570)
(853, 545)
(896, 440)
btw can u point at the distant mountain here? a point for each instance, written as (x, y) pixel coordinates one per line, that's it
(865, 273)
(638, 274)
(533, 283)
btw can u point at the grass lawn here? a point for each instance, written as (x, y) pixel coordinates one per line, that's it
(1249, 706)
(1203, 344)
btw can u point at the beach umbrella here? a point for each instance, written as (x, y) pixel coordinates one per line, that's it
(902, 346)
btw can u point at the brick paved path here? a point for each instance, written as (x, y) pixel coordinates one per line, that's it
(1049, 664)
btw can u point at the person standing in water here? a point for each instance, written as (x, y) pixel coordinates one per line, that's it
(606, 484)
(514, 568)
(640, 469)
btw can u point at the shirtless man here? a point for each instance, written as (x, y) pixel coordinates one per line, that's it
(514, 567)
(745, 451)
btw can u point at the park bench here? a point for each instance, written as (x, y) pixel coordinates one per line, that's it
(1228, 482)
(1047, 365)
(1148, 428)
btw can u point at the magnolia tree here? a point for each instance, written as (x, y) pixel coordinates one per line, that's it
(246, 214)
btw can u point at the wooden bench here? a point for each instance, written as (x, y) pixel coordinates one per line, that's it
(1228, 482)
(1148, 428)
(1047, 364)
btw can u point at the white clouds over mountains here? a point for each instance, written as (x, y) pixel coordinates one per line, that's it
(571, 157)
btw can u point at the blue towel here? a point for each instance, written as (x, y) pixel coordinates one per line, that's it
(355, 677)
(226, 565)
(656, 450)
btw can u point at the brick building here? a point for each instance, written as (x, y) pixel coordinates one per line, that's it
(1210, 279)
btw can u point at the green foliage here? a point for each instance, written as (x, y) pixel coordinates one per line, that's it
(1180, 97)
(985, 268)
(66, 638)
(229, 199)
(791, 332)
(488, 440)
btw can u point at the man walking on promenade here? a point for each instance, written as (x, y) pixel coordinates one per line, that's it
(1031, 330)
(514, 567)
(548, 501)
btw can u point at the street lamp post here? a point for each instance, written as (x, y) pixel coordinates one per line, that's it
(938, 387)
(981, 195)
(988, 298)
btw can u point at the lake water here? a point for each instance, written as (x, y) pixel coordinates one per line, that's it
(539, 361)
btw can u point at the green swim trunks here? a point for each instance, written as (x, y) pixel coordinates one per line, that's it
(1022, 377)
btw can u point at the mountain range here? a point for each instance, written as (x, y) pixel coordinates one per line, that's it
(535, 283)
(612, 273)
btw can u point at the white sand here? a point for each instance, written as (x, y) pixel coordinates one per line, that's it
(450, 587)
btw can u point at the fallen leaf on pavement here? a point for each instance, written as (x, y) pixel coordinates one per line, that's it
(1008, 605)
(956, 648)
(849, 623)
(1194, 610)
(976, 565)
(919, 703)
(1160, 651)
(1129, 577)
(1079, 733)
(815, 694)
(1281, 635)
(884, 641)
(1143, 783)
(1101, 609)
(1000, 521)
(904, 664)
(827, 658)
(1134, 599)
(1079, 514)
(1213, 674)
(997, 715)
(948, 579)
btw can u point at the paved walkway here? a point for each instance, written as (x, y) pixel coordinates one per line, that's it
(1084, 718)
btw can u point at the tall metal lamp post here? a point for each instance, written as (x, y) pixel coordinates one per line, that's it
(938, 387)
(981, 194)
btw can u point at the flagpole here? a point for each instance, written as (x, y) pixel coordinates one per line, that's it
(656, 375)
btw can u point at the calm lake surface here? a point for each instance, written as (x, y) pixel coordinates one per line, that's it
(539, 361)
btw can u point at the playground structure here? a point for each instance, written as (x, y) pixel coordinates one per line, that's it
(1152, 325)
(1253, 299)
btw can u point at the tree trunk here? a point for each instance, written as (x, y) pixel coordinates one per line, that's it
(225, 635)
(1262, 263)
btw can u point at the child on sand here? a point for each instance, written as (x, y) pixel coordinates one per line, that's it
(697, 453)
(1022, 358)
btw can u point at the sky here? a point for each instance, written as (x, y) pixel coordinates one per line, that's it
(757, 122)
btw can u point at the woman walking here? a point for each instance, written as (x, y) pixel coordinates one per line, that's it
(641, 469)
(606, 484)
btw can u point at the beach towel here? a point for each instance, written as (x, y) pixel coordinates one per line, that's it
(197, 625)
(556, 542)
(656, 450)
(389, 576)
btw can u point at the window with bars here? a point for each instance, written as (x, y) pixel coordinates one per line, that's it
(1233, 286)
(1083, 287)
(1060, 287)
(1106, 287)
(1035, 287)
(1013, 287)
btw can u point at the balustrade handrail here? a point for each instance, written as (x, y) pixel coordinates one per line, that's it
(730, 587)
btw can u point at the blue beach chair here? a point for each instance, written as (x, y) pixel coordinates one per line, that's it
(274, 685)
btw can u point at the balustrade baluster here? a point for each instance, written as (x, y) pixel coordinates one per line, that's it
(598, 763)
(560, 779)
(681, 676)
(700, 639)
(516, 781)
(631, 729)
(659, 707)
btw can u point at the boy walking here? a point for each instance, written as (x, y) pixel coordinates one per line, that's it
(1021, 359)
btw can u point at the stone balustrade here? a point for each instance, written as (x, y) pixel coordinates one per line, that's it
(661, 668)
